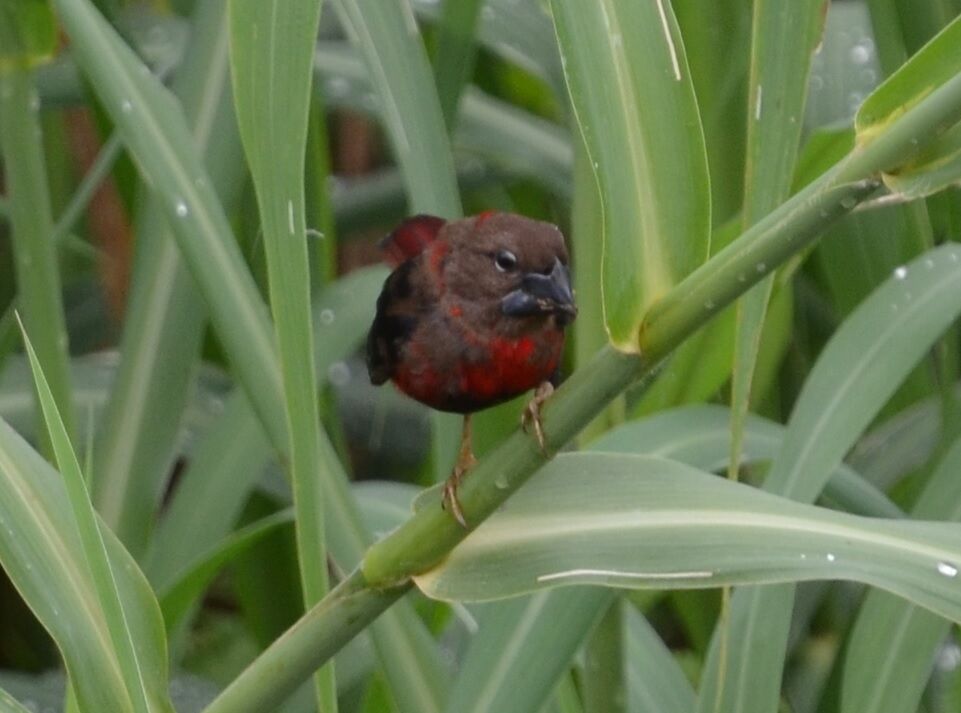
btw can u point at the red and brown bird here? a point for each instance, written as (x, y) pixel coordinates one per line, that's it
(473, 315)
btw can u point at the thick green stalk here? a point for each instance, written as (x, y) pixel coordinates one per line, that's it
(431, 533)
(315, 638)
(38, 277)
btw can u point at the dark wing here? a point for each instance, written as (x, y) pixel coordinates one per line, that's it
(411, 237)
(393, 325)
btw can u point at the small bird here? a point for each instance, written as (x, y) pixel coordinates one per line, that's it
(472, 315)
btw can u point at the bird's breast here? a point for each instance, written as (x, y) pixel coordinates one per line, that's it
(481, 374)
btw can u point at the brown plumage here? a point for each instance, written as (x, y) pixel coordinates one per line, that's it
(473, 314)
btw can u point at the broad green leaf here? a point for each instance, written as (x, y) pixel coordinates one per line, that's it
(41, 552)
(700, 436)
(634, 104)
(28, 33)
(271, 52)
(96, 557)
(859, 369)
(655, 682)
(933, 65)
(717, 37)
(893, 644)
(579, 520)
(515, 659)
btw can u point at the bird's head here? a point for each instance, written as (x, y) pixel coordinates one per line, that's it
(516, 266)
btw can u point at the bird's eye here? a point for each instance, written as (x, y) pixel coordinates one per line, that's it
(505, 260)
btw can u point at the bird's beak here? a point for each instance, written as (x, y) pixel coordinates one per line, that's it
(543, 294)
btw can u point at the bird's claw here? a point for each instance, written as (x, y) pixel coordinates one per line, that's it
(465, 461)
(531, 418)
(450, 501)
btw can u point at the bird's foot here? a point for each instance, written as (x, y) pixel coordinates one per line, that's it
(531, 418)
(465, 461)
(450, 501)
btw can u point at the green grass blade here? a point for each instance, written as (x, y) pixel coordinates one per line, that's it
(165, 317)
(407, 97)
(700, 436)
(519, 653)
(579, 522)
(719, 62)
(508, 137)
(91, 540)
(893, 644)
(937, 168)
(41, 551)
(35, 256)
(654, 680)
(271, 52)
(227, 463)
(456, 50)
(850, 383)
(156, 135)
(404, 89)
(634, 103)
(933, 65)
(783, 41)
(185, 589)
(8, 704)
(28, 34)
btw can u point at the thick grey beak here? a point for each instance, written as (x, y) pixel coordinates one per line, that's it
(543, 294)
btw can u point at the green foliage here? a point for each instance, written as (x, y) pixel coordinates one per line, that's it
(690, 153)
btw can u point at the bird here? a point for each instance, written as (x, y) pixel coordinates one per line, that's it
(472, 315)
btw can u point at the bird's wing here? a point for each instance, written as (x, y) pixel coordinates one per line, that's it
(411, 237)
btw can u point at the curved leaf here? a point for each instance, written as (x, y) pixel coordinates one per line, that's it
(634, 103)
(580, 519)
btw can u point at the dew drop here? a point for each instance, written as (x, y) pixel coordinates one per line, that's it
(326, 317)
(948, 570)
(761, 267)
(126, 106)
(709, 304)
(338, 373)
(831, 557)
(949, 657)
(501, 482)
(181, 209)
(860, 54)
(900, 272)
(929, 263)
(848, 202)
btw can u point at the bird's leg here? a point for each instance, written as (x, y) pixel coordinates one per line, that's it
(465, 461)
(531, 418)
